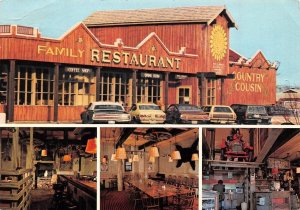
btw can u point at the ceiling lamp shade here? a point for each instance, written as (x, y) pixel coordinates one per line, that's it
(175, 155)
(67, 158)
(195, 157)
(170, 159)
(152, 159)
(135, 158)
(297, 170)
(121, 154)
(130, 160)
(44, 153)
(113, 157)
(153, 152)
(91, 146)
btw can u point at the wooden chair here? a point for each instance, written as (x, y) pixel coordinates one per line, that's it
(137, 198)
(150, 203)
(186, 202)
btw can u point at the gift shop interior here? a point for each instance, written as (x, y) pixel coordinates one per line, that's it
(251, 168)
(48, 168)
(149, 167)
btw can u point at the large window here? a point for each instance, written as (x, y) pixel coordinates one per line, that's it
(114, 87)
(211, 91)
(184, 95)
(33, 86)
(76, 88)
(148, 89)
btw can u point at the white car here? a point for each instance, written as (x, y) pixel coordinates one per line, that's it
(105, 112)
(147, 113)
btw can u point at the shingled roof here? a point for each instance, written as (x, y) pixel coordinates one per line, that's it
(197, 14)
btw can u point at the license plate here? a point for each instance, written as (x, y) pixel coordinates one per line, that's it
(194, 122)
(259, 121)
(111, 122)
(256, 116)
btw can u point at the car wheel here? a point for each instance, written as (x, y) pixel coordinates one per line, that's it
(175, 121)
(134, 121)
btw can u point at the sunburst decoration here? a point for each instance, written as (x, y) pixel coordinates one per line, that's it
(218, 42)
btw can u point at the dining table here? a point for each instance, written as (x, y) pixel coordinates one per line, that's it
(159, 189)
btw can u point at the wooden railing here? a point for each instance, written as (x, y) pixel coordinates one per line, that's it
(15, 188)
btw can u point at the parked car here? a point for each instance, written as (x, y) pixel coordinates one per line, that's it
(186, 113)
(220, 114)
(251, 114)
(280, 115)
(147, 113)
(105, 112)
(235, 147)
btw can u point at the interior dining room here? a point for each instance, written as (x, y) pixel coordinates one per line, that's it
(48, 168)
(149, 168)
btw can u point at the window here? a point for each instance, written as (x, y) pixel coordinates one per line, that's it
(211, 91)
(76, 88)
(114, 87)
(184, 95)
(148, 89)
(33, 86)
(3, 85)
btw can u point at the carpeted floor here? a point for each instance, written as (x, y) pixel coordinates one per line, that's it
(114, 200)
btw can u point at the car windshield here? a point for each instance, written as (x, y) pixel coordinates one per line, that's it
(257, 109)
(207, 108)
(108, 108)
(149, 107)
(188, 108)
(222, 109)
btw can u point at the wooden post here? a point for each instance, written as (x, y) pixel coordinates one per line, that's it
(202, 90)
(11, 91)
(222, 92)
(166, 92)
(120, 175)
(134, 86)
(98, 71)
(31, 149)
(15, 149)
(55, 94)
(0, 150)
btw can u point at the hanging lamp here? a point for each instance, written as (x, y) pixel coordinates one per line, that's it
(175, 154)
(91, 146)
(44, 153)
(152, 159)
(153, 152)
(121, 154)
(67, 158)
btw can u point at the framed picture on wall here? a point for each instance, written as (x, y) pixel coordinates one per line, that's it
(128, 166)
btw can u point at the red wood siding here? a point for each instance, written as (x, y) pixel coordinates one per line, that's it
(251, 86)
(45, 113)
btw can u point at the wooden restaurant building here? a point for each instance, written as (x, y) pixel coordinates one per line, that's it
(165, 56)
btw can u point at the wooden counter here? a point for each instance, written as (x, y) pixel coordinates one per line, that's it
(84, 192)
